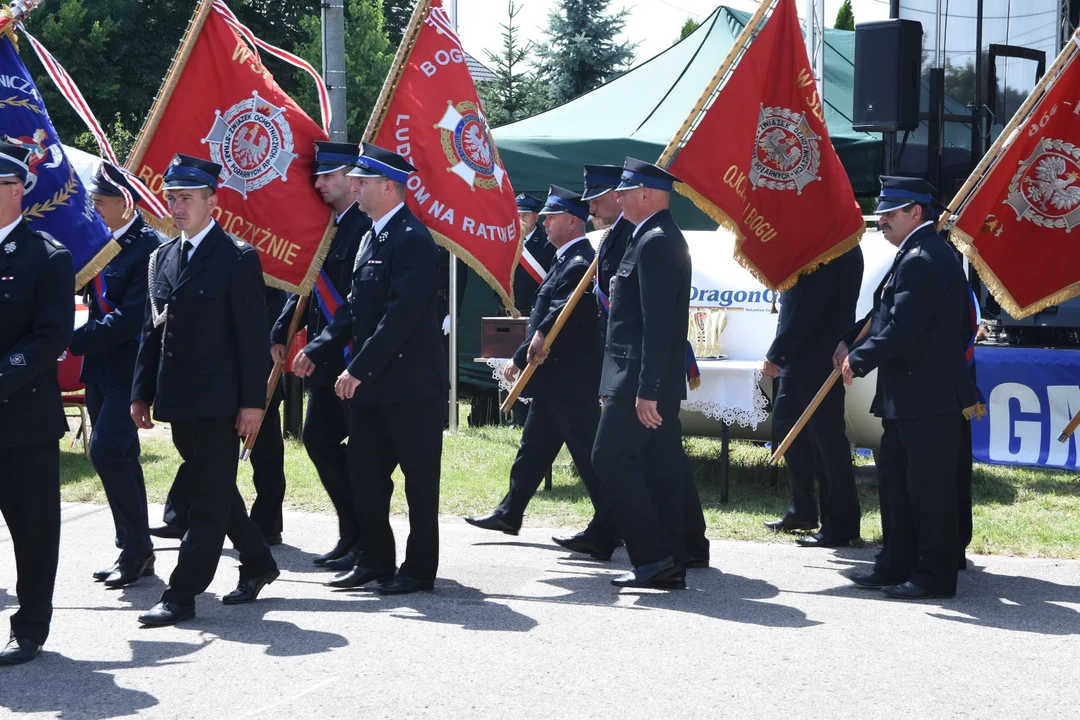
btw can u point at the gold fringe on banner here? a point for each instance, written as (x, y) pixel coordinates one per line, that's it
(725, 221)
(95, 266)
(966, 245)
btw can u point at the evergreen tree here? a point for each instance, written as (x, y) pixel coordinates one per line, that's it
(845, 17)
(688, 27)
(515, 94)
(368, 56)
(397, 14)
(581, 53)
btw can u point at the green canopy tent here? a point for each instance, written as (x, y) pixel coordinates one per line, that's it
(636, 114)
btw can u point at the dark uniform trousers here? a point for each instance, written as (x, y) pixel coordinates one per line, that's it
(114, 452)
(963, 490)
(381, 437)
(326, 428)
(918, 492)
(824, 453)
(30, 503)
(37, 310)
(268, 476)
(645, 477)
(210, 450)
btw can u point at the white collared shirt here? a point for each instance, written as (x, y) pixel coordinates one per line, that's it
(117, 234)
(381, 222)
(337, 220)
(198, 238)
(5, 231)
(903, 244)
(642, 223)
(565, 248)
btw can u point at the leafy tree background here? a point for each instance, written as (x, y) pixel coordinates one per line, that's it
(688, 27)
(580, 52)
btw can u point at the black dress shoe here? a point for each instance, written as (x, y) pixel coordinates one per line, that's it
(403, 585)
(167, 613)
(344, 545)
(790, 524)
(274, 539)
(169, 532)
(582, 543)
(821, 540)
(130, 569)
(910, 591)
(344, 563)
(248, 590)
(494, 521)
(359, 576)
(872, 580)
(664, 574)
(19, 651)
(694, 562)
(100, 575)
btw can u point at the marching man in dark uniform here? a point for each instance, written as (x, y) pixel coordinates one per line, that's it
(110, 341)
(923, 385)
(326, 427)
(814, 315)
(638, 454)
(536, 253)
(202, 366)
(600, 182)
(564, 407)
(396, 381)
(37, 312)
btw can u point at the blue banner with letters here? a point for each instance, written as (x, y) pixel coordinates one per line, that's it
(1031, 395)
(55, 201)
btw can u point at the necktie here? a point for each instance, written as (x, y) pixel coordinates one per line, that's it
(366, 242)
(184, 250)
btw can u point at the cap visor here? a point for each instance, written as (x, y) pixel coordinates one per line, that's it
(887, 205)
(592, 193)
(552, 210)
(628, 185)
(360, 172)
(184, 185)
(327, 169)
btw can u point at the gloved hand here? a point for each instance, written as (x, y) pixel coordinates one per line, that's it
(446, 325)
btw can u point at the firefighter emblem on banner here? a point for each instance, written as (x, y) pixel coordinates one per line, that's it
(1044, 189)
(786, 155)
(468, 146)
(253, 142)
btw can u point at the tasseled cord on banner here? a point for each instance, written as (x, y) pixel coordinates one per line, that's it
(693, 372)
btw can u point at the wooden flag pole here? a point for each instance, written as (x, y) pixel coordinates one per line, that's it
(279, 367)
(564, 315)
(396, 68)
(741, 43)
(813, 406)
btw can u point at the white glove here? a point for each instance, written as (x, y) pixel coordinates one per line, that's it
(446, 325)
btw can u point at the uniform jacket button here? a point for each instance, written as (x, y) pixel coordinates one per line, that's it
(172, 317)
(33, 390)
(200, 292)
(369, 374)
(400, 355)
(172, 299)
(168, 334)
(168, 354)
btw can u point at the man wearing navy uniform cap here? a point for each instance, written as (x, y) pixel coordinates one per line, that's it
(638, 454)
(109, 340)
(326, 427)
(37, 311)
(537, 253)
(202, 366)
(396, 381)
(600, 183)
(923, 385)
(564, 406)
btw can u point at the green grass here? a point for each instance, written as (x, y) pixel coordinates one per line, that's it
(1018, 511)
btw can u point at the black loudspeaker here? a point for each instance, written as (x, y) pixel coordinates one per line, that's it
(888, 65)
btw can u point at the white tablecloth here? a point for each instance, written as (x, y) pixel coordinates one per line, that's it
(730, 390)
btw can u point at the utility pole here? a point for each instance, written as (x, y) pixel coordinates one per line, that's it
(333, 58)
(453, 423)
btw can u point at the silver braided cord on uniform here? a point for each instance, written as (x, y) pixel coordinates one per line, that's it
(151, 271)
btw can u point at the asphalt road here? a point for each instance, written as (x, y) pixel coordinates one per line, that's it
(518, 628)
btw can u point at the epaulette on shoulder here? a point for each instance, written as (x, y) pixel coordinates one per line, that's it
(240, 244)
(49, 239)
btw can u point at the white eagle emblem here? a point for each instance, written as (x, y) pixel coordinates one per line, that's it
(253, 142)
(786, 154)
(1044, 189)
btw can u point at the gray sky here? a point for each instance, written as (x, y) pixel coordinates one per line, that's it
(654, 24)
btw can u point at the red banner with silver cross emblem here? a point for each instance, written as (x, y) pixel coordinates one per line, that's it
(430, 114)
(220, 103)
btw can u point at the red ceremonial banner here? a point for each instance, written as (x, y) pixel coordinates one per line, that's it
(1016, 225)
(430, 114)
(220, 103)
(760, 161)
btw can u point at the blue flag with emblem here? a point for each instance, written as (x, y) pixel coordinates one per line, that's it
(55, 201)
